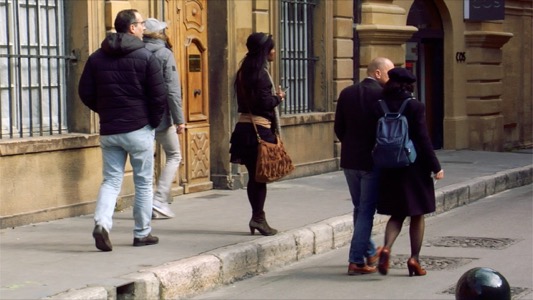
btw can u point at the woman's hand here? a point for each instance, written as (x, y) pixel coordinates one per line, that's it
(280, 93)
(439, 175)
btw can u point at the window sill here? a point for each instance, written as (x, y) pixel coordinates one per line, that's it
(48, 143)
(308, 118)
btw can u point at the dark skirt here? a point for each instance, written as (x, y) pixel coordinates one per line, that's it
(406, 191)
(244, 142)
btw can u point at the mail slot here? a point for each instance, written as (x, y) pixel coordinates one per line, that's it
(194, 63)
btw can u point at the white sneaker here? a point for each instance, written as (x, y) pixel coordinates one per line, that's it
(162, 211)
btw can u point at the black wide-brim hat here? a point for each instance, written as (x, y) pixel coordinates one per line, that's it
(401, 75)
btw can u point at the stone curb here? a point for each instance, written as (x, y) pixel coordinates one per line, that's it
(191, 276)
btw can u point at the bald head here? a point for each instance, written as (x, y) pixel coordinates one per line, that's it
(378, 69)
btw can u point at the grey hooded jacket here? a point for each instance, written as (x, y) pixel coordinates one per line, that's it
(174, 113)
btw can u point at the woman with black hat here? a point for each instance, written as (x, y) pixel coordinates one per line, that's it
(257, 100)
(408, 191)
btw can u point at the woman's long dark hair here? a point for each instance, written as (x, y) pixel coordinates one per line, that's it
(254, 61)
(394, 88)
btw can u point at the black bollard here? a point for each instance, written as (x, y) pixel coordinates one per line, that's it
(482, 284)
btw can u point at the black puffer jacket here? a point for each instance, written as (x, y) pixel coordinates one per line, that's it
(124, 84)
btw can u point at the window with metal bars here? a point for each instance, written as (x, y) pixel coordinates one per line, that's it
(32, 68)
(297, 61)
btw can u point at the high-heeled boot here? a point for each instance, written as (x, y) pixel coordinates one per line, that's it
(414, 267)
(259, 222)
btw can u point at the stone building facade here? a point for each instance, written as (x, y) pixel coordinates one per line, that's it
(474, 77)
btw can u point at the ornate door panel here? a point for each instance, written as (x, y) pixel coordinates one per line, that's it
(187, 21)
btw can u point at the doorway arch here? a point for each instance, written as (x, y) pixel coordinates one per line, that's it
(425, 58)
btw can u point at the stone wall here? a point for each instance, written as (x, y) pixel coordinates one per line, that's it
(487, 101)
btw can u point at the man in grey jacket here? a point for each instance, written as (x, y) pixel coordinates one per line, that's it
(173, 121)
(124, 84)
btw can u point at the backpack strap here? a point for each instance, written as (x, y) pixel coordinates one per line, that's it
(404, 104)
(384, 106)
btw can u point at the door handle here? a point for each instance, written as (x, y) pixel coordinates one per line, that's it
(197, 92)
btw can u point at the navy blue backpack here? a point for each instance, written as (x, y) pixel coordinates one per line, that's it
(393, 148)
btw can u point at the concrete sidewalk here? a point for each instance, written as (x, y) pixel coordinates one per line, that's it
(208, 243)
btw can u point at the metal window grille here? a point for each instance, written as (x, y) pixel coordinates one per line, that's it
(32, 68)
(296, 53)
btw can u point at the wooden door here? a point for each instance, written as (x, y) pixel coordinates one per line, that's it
(187, 21)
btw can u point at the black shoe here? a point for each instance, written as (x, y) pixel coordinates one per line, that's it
(101, 238)
(145, 241)
(262, 227)
(259, 222)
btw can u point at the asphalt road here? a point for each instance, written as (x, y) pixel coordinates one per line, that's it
(495, 232)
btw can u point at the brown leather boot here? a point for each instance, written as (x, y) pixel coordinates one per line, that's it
(259, 222)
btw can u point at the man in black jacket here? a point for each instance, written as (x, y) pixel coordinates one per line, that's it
(355, 127)
(124, 84)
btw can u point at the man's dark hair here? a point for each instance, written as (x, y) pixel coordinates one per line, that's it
(124, 19)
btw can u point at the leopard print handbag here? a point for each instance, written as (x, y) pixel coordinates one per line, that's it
(273, 161)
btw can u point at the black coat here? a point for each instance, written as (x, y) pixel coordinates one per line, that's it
(124, 84)
(410, 191)
(258, 98)
(355, 123)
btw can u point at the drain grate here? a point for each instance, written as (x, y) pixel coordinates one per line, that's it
(433, 263)
(472, 242)
(516, 292)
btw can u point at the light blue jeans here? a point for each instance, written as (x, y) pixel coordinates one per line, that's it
(139, 145)
(171, 145)
(363, 186)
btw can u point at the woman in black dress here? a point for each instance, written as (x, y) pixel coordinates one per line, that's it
(409, 191)
(256, 100)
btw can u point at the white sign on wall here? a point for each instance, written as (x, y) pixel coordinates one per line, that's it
(483, 10)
